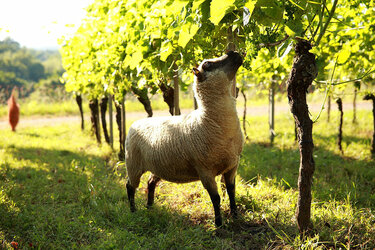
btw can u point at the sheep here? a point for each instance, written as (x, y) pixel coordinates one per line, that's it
(197, 146)
(13, 110)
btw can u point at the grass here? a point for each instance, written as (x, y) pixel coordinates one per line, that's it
(61, 190)
(36, 107)
(69, 107)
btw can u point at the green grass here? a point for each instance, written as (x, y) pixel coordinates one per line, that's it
(35, 107)
(69, 107)
(60, 190)
(40, 105)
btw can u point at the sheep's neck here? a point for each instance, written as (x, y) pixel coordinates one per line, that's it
(220, 108)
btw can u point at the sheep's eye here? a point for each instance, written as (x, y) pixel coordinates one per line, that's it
(207, 65)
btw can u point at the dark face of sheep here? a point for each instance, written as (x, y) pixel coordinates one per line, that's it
(228, 64)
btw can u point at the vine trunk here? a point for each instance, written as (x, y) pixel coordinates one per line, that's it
(103, 111)
(339, 136)
(94, 109)
(79, 103)
(303, 72)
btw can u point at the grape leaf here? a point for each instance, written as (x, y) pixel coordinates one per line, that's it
(218, 9)
(294, 28)
(175, 8)
(187, 33)
(196, 4)
(343, 56)
(165, 50)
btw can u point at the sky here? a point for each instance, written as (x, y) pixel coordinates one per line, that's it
(39, 24)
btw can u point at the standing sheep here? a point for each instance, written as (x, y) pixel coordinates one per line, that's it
(198, 146)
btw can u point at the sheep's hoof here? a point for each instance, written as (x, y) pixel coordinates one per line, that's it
(218, 222)
(132, 209)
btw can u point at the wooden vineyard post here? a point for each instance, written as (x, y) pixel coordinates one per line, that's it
(369, 97)
(176, 93)
(303, 72)
(110, 111)
(339, 136)
(123, 123)
(354, 121)
(271, 111)
(232, 47)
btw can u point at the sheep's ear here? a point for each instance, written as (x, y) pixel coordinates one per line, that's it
(199, 75)
(196, 71)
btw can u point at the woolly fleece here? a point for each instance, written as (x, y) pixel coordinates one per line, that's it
(200, 145)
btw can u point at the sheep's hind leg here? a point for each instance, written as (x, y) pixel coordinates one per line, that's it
(230, 179)
(131, 187)
(210, 184)
(152, 182)
(131, 194)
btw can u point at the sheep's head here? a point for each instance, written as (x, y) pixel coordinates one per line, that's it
(218, 72)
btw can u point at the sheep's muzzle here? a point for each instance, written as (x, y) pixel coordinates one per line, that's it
(230, 63)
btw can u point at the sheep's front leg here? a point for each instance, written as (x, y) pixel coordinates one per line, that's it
(230, 179)
(152, 182)
(210, 184)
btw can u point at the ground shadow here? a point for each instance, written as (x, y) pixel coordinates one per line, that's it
(45, 195)
(76, 200)
(333, 178)
(31, 134)
(52, 157)
(347, 139)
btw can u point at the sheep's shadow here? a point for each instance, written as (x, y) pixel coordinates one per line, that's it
(253, 235)
(240, 231)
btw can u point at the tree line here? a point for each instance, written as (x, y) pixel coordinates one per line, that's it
(27, 69)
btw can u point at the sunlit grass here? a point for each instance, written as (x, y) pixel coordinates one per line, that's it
(35, 107)
(59, 189)
(70, 107)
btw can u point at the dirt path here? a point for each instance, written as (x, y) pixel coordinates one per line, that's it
(251, 111)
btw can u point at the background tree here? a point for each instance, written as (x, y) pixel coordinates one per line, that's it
(33, 72)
